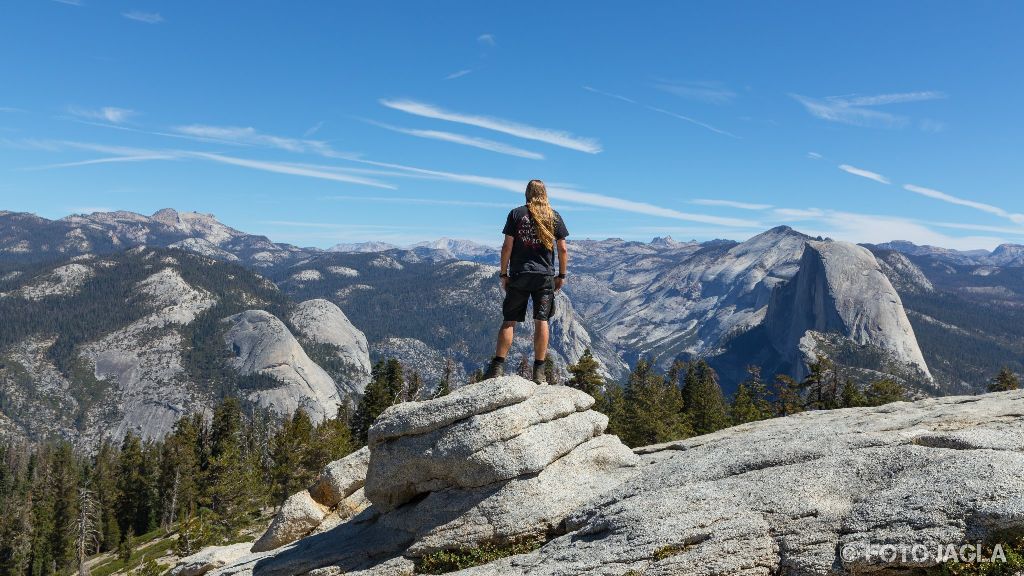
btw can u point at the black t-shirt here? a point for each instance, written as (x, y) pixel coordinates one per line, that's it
(529, 256)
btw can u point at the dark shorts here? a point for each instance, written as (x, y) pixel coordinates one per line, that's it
(524, 287)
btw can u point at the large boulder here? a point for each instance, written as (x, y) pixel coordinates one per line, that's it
(332, 492)
(415, 451)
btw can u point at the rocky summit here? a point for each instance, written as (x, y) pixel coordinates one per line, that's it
(526, 473)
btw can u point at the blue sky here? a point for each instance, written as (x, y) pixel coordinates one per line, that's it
(324, 122)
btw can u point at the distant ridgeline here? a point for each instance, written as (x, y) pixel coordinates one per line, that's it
(118, 322)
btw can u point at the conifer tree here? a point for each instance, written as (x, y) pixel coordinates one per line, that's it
(822, 385)
(1004, 381)
(584, 374)
(384, 390)
(788, 395)
(851, 395)
(703, 399)
(290, 461)
(135, 508)
(612, 403)
(884, 391)
(332, 439)
(413, 387)
(751, 400)
(653, 408)
(230, 480)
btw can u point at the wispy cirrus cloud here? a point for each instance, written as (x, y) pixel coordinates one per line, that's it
(322, 173)
(249, 136)
(730, 204)
(313, 129)
(527, 132)
(675, 115)
(472, 141)
(70, 2)
(420, 201)
(458, 74)
(705, 91)
(487, 40)
(949, 198)
(146, 17)
(864, 173)
(860, 110)
(111, 114)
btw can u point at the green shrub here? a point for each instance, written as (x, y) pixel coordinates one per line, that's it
(444, 561)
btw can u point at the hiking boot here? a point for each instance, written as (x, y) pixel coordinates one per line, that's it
(539, 376)
(494, 369)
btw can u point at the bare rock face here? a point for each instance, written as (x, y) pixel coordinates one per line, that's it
(817, 493)
(324, 323)
(208, 559)
(263, 345)
(839, 288)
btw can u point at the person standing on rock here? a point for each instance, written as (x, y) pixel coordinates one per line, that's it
(532, 232)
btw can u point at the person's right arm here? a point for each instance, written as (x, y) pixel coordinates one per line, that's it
(506, 255)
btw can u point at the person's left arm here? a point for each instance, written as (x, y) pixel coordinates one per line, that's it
(561, 233)
(563, 263)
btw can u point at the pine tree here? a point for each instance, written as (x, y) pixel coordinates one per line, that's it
(230, 479)
(703, 399)
(1005, 381)
(413, 387)
(584, 374)
(384, 390)
(884, 391)
(788, 395)
(332, 439)
(135, 510)
(290, 460)
(105, 484)
(822, 385)
(851, 395)
(85, 529)
(653, 409)
(611, 402)
(751, 400)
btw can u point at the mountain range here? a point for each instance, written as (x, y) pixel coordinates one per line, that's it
(119, 321)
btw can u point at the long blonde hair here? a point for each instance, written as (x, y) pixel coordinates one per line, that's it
(541, 214)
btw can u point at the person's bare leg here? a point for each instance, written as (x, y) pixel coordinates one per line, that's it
(540, 340)
(505, 334)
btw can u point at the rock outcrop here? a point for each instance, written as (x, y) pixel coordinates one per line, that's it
(262, 344)
(512, 461)
(324, 323)
(813, 494)
(839, 288)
